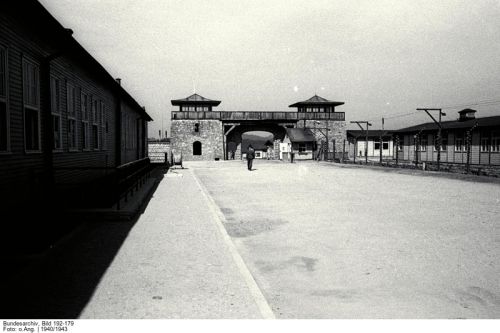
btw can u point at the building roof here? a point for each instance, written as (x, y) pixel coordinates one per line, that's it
(316, 101)
(41, 21)
(453, 124)
(195, 99)
(371, 133)
(300, 135)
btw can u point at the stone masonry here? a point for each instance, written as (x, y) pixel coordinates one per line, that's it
(337, 132)
(209, 134)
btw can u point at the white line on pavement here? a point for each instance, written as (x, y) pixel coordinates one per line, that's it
(259, 298)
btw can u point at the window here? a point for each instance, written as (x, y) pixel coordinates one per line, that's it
(95, 124)
(459, 142)
(95, 137)
(385, 145)
(197, 148)
(423, 142)
(85, 121)
(302, 147)
(72, 134)
(400, 142)
(444, 142)
(70, 100)
(71, 109)
(95, 111)
(377, 145)
(485, 142)
(85, 135)
(31, 101)
(4, 117)
(196, 127)
(55, 104)
(103, 126)
(495, 142)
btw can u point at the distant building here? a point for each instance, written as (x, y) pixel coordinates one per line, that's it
(325, 123)
(419, 143)
(358, 146)
(201, 133)
(301, 142)
(196, 132)
(64, 121)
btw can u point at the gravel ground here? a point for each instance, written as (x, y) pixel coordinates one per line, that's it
(327, 241)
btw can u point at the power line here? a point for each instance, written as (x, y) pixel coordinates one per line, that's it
(399, 115)
(480, 103)
(406, 114)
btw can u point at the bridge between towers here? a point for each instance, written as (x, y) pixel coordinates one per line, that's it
(203, 134)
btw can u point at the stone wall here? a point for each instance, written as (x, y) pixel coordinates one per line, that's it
(337, 132)
(209, 134)
(157, 151)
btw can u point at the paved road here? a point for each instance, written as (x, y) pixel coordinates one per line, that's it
(176, 263)
(325, 241)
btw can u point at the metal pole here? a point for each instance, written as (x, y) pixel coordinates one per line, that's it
(333, 141)
(327, 143)
(415, 142)
(381, 141)
(440, 142)
(468, 151)
(380, 146)
(366, 145)
(397, 149)
(355, 149)
(343, 152)
(439, 138)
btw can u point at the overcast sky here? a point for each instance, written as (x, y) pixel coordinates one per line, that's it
(382, 58)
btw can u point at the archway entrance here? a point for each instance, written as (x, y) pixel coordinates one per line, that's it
(260, 135)
(261, 141)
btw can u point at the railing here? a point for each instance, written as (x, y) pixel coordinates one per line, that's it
(255, 115)
(114, 183)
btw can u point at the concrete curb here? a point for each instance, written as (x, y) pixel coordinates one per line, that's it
(259, 298)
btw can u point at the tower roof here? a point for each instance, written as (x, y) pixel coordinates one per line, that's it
(316, 101)
(195, 99)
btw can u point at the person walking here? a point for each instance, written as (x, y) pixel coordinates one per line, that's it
(250, 157)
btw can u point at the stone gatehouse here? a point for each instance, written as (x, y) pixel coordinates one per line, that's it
(200, 133)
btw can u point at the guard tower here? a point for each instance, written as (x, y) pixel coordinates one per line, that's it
(201, 133)
(196, 130)
(319, 115)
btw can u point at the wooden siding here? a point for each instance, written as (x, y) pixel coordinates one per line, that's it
(21, 171)
(449, 155)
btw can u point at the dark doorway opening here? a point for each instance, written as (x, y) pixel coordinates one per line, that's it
(197, 148)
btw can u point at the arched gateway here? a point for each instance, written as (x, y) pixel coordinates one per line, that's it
(196, 124)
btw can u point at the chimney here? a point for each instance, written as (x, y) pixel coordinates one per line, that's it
(466, 114)
(119, 81)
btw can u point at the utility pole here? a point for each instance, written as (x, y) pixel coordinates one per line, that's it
(366, 135)
(469, 144)
(380, 141)
(327, 143)
(439, 139)
(355, 148)
(398, 143)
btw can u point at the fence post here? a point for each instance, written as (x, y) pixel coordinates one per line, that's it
(343, 152)
(334, 150)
